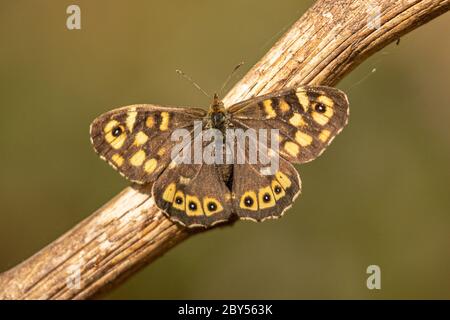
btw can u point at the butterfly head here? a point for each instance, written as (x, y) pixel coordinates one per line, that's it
(217, 104)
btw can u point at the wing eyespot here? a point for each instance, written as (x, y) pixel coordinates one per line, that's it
(117, 131)
(320, 108)
(278, 191)
(248, 201)
(178, 202)
(192, 206)
(115, 134)
(265, 197)
(211, 206)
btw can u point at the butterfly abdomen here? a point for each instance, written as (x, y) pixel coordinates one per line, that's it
(218, 120)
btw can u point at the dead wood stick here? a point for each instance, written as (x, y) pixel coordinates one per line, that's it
(128, 232)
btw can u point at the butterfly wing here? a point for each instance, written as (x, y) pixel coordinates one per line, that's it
(258, 197)
(308, 118)
(193, 194)
(262, 191)
(136, 140)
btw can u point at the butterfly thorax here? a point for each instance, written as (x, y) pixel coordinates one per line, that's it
(217, 114)
(217, 118)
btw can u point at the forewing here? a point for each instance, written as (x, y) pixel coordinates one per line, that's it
(136, 140)
(307, 117)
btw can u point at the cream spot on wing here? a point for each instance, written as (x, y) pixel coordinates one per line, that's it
(320, 118)
(150, 165)
(161, 151)
(150, 122)
(138, 158)
(326, 101)
(184, 180)
(164, 121)
(297, 120)
(117, 159)
(140, 139)
(324, 135)
(131, 119)
(118, 142)
(284, 106)
(270, 113)
(292, 148)
(169, 192)
(303, 99)
(283, 180)
(303, 139)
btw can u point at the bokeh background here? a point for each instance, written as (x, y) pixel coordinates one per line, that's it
(379, 194)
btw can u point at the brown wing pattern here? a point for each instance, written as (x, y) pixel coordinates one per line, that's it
(194, 195)
(262, 190)
(308, 119)
(135, 140)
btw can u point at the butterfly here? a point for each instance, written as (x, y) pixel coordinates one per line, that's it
(137, 141)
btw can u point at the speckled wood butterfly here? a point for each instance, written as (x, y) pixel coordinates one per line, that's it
(136, 141)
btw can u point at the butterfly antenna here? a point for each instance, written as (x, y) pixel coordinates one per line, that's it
(185, 76)
(232, 73)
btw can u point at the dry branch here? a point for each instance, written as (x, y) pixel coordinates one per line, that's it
(128, 232)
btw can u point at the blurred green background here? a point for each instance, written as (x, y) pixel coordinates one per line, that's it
(386, 178)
